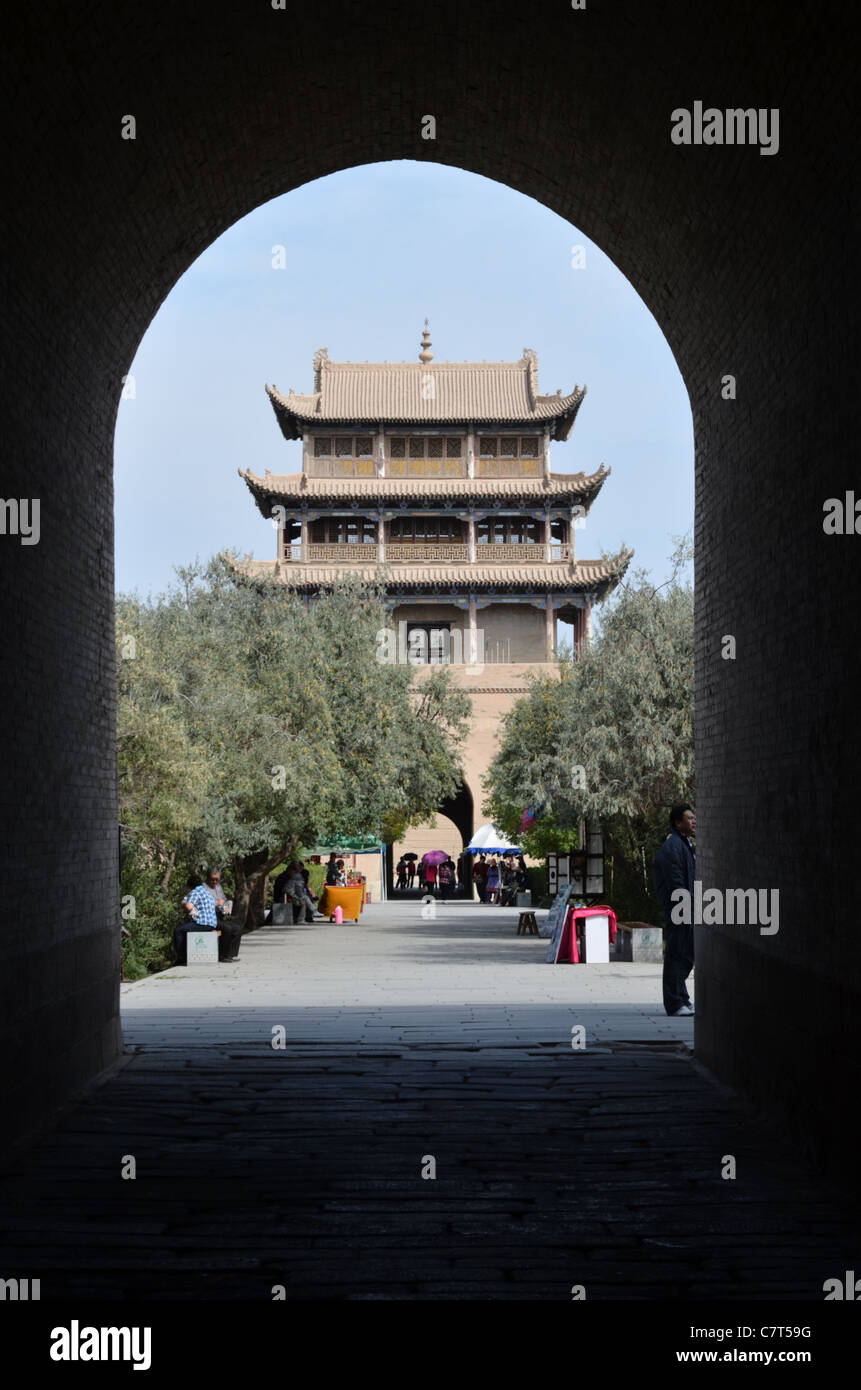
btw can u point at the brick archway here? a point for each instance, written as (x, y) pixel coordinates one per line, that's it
(743, 260)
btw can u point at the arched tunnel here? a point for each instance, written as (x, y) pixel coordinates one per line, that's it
(747, 259)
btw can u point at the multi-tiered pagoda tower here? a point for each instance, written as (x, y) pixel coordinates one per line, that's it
(440, 472)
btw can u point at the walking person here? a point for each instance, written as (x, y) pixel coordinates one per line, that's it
(479, 876)
(675, 867)
(430, 877)
(492, 881)
(411, 873)
(401, 885)
(446, 878)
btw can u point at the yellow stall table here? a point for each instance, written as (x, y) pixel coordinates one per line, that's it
(350, 900)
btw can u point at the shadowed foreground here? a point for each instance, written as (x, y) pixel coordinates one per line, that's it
(302, 1167)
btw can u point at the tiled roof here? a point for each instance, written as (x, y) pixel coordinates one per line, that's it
(429, 393)
(297, 488)
(593, 575)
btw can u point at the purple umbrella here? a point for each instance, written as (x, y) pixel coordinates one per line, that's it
(434, 856)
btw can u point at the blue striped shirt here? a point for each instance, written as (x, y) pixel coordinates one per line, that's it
(204, 900)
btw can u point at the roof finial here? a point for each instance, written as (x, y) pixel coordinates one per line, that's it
(425, 355)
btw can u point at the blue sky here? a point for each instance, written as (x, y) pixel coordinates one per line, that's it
(370, 252)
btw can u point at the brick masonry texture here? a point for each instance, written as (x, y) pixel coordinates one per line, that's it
(747, 263)
(406, 1037)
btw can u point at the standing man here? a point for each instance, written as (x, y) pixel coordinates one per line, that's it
(675, 867)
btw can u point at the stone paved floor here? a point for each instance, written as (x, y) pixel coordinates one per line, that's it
(409, 1038)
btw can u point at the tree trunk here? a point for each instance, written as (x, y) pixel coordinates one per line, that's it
(257, 904)
(168, 871)
(629, 882)
(250, 877)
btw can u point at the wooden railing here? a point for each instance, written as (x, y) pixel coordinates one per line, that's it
(507, 468)
(337, 552)
(434, 552)
(431, 552)
(341, 468)
(394, 468)
(522, 552)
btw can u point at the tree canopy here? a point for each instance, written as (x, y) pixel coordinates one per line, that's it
(251, 721)
(612, 737)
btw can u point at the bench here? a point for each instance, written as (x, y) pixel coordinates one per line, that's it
(640, 941)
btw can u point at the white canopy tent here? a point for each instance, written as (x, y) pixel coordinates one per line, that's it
(488, 840)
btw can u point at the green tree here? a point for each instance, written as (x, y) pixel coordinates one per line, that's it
(612, 737)
(252, 721)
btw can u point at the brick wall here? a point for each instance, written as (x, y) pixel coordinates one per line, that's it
(742, 258)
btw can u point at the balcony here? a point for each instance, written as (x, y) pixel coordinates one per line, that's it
(432, 552)
(520, 552)
(428, 552)
(332, 552)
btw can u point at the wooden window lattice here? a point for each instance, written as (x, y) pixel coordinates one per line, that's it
(322, 446)
(398, 448)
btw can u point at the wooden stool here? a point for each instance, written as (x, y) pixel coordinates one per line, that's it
(527, 925)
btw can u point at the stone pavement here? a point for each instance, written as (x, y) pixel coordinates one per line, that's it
(409, 1040)
(464, 977)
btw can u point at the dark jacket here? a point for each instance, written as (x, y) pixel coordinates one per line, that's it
(675, 867)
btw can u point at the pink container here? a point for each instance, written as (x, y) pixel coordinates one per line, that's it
(339, 914)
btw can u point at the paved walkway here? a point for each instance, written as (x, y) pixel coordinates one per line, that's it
(396, 977)
(408, 1041)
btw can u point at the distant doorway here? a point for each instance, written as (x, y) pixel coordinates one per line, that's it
(429, 643)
